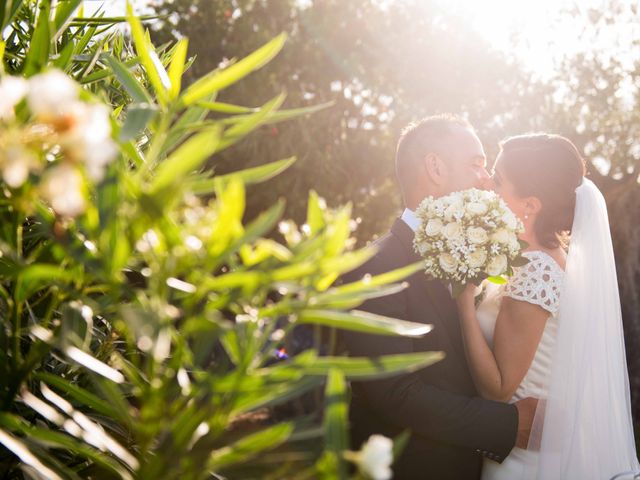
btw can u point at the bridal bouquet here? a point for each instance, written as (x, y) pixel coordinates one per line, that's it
(468, 236)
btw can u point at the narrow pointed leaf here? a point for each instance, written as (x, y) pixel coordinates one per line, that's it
(361, 321)
(220, 79)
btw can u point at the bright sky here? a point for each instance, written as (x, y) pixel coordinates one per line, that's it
(541, 40)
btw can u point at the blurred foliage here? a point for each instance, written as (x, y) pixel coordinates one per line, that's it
(148, 334)
(383, 64)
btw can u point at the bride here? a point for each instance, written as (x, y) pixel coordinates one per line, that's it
(554, 331)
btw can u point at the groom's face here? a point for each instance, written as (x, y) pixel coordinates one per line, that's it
(465, 163)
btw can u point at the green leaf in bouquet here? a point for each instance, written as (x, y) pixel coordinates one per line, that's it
(138, 116)
(336, 419)
(250, 446)
(497, 279)
(185, 159)
(366, 322)
(520, 261)
(128, 81)
(38, 54)
(248, 176)
(400, 442)
(176, 67)
(220, 79)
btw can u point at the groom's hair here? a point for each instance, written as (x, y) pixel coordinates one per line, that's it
(418, 139)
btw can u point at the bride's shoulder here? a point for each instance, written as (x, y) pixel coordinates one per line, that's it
(538, 282)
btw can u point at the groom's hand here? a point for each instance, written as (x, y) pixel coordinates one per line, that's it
(526, 413)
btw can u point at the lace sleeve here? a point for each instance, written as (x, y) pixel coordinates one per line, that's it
(538, 282)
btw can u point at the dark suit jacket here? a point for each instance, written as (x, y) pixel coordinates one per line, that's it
(451, 427)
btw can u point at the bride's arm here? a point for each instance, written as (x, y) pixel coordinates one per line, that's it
(519, 327)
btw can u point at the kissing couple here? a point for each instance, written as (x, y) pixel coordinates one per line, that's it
(534, 382)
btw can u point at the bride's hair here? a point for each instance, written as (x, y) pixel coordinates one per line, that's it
(550, 168)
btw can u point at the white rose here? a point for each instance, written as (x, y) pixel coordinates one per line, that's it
(12, 90)
(501, 236)
(63, 187)
(376, 457)
(497, 265)
(453, 212)
(477, 258)
(477, 235)
(452, 231)
(423, 248)
(434, 227)
(447, 262)
(510, 220)
(51, 94)
(477, 208)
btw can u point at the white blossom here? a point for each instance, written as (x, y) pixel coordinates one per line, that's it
(51, 94)
(63, 187)
(16, 162)
(376, 457)
(88, 140)
(12, 90)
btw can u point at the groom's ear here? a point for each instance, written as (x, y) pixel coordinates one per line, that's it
(434, 168)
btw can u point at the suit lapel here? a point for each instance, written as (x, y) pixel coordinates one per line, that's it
(438, 295)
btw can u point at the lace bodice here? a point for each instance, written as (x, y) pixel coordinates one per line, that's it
(537, 282)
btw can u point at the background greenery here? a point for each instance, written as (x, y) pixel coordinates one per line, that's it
(383, 67)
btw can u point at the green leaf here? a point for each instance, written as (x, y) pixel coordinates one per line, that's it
(354, 368)
(498, 279)
(360, 321)
(369, 282)
(248, 176)
(64, 11)
(138, 116)
(35, 277)
(186, 158)
(8, 12)
(336, 419)
(183, 127)
(128, 81)
(316, 207)
(226, 108)
(176, 67)
(250, 446)
(156, 73)
(251, 122)
(79, 394)
(220, 79)
(38, 54)
(22, 451)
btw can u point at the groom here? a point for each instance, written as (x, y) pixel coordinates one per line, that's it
(451, 427)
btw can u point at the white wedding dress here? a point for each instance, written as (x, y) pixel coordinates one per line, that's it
(583, 425)
(539, 282)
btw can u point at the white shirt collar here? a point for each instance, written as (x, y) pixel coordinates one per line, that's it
(409, 217)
